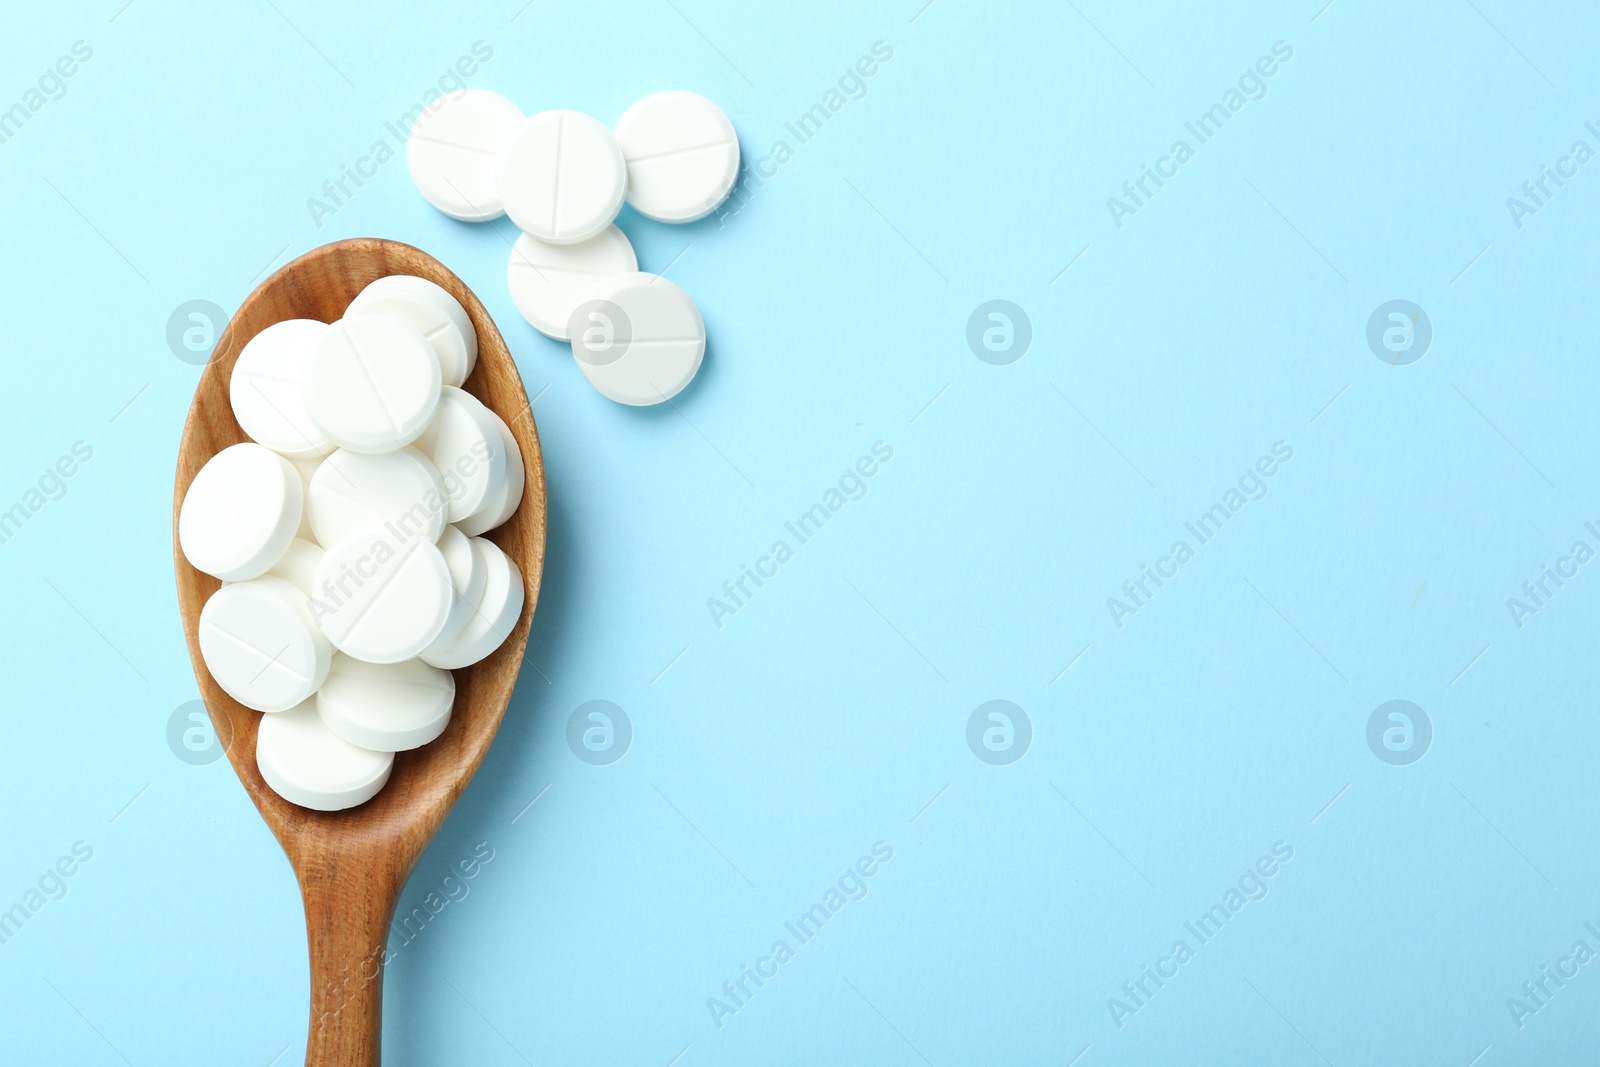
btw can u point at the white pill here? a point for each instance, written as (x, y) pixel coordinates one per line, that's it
(562, 177)
(240, 513)
(682, 153)
(259, 642)
(548, 281)
(639, 339)
(308, 764)
(467, 577)
(503, 501)
(267, 389)
(430, 309)
(387, 707)
(306, 467)
(352, 490)
(373, 384)
(298, 565)
(463, 443)
(493, 617)
(452, 152)
(381, 597)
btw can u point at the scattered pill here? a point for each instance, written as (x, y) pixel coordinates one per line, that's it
(562, 177)
(352, 490)
(267, 389)
(259, 642)
(452, 153)
(429, 309)
(240, 512)
(548, 281)
(463, 443)
(381, 597)
(682, 155)
(502, 502)
(639, 339)
(308, 764)
(389, 707)
(373, 384)
(494, 616)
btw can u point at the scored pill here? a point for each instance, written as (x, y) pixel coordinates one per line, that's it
(429, 309)
(259, 642)
(682, 154)
(453, 148)
(562, 177)
(548, 281)
(373, 384)
(639, 339)
(380, 597)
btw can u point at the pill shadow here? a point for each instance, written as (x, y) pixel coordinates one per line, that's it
(416, 999)
(416, 1002)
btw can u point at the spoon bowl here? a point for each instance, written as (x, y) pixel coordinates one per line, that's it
(352, 864)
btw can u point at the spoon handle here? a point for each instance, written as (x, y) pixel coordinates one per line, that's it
(347, 924)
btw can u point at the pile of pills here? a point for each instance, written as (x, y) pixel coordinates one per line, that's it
(346, 534)
(562, 177)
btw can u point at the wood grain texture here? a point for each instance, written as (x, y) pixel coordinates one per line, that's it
(352, 864)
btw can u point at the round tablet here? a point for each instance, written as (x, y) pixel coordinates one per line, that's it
(431, 311)
(503, 501)
(352, 490)
(639, 339)
(298, 565)
(467, 577)
(240, 513)
(306, 466)
(308, 764)
(464, 444)
(548, 281)
(267, 389)
(562, 177)
(452, 152)
(682, 154)
(373, 384)
(258, 641)
(388, 707)
(380, 597)
(493, 617)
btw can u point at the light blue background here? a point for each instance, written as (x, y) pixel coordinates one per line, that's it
(830, 713)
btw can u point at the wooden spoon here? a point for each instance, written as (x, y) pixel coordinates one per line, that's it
(352, 864)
